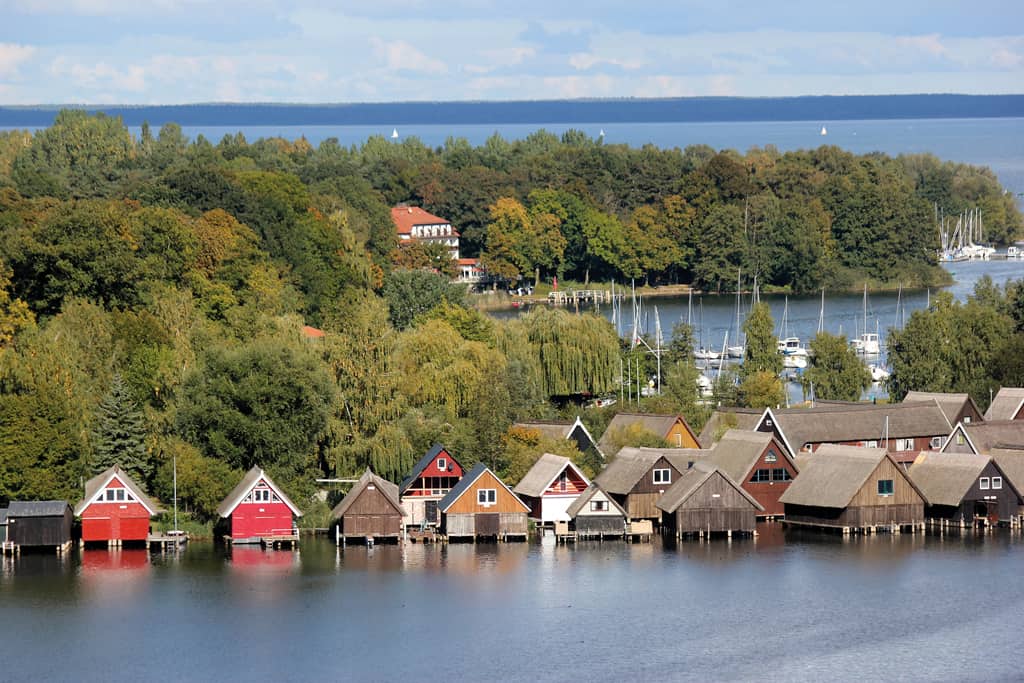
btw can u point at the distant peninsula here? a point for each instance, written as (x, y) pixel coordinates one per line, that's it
(635, 110)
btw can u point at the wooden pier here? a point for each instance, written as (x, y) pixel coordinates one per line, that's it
(169, 541)
(640, 532)
(280, 541)
(563, 534)
(581, 296)
(889, 528)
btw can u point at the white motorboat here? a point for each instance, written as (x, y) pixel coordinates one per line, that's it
(705, 387)
(878, 373)
(706, 354)
(794, 362)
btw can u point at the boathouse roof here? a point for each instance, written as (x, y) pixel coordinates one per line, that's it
(833, 476)
(984, 436)
(1011, 462)
(37, 508)
(859, 422)
(633, 463)
(738, 450)
(467, 482)
(543, 474)
(945, 478)
(584, 498)
(388, 489)
(949, 404)
(690, 482)
(659, 425)
(94, 486)
(1006, 405)
(249, 481)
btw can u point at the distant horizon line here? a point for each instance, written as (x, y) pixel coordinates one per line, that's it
(611, 99)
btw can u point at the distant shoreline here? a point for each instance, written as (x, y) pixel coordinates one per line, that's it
(823, 108)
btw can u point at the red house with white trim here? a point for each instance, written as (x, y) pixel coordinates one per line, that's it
(257, 511)
(115, 509)
(430, 480)
(550, 487)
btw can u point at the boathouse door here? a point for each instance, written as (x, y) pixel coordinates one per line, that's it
(487, 523)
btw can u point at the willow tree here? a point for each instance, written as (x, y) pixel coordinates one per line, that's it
(577, 354)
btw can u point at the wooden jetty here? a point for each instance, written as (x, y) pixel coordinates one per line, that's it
(563, 534)
(167, 541)
(640, 531)
(582, 296)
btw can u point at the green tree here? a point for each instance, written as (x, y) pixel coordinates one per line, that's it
(119, 435)
(761, 355)
(412, 292)
(762, 390)
(835, 372)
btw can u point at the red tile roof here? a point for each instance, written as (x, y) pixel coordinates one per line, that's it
(312, 332)
(407, 216)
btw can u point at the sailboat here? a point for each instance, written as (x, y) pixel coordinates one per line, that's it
(394, 134)
(737, 351)
(867, 344)
(789, 346)
(703, 353)
(601, 134)
(824, 131)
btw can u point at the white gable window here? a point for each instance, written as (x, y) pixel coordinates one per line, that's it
(997, 482)
(487, 497)
(599, 506)
(118, 495)
(904, 444)
(442, 464)
(663, 476)
(967, 419)
(983, 483)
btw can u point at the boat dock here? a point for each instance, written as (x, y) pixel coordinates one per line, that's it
(582, 296)
(168, 541)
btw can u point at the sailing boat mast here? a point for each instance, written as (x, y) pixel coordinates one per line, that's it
(821, 313)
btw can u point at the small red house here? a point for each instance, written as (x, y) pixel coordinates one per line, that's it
(115, 509)
(430, 480)
(551, 485)
(257, 511)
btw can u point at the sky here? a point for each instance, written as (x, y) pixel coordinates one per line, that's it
(185, 51)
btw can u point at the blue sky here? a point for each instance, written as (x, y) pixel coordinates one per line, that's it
(179, 51)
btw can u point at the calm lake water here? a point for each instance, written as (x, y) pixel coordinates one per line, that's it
(785, 606)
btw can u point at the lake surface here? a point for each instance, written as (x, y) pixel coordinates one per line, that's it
(785, 606)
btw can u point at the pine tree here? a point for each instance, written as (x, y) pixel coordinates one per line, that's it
(120, 433)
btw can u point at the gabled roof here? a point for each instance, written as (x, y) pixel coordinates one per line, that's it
(557, 429)
(94, 487)
(691, 480)
(835, 423)
(249, 481)
(631, 464)
(312, 332)
(737, 418)
(1006, 404)
(389, 490)
(3, 516)
(738, 450)
(543, 474)
(467, 482)
(584, 498)
(37, 508)
(983, 436)
(945, 478)
(659, 425)
(833, 476)
(407, 216)
(1011, 462)
(421, 465)
(950, 404)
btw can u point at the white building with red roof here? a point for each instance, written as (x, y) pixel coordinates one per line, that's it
(416, 225)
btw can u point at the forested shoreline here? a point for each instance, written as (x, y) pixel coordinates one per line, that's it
(154, 292)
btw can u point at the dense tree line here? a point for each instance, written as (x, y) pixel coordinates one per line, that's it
(154, 291)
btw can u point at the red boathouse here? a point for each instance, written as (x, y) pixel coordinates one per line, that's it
(257, 511)
(115, 509)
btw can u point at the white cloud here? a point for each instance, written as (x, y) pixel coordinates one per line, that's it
(13, 55)
(584, 61)
(401, 56)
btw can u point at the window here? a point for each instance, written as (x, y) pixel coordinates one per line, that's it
(442, 464)
(261, 496)
(936, 442)
(983, 483)
(761, 475)
(679, 440)
(120, 494)
(960, 439)
(997, 482)
(663, 476)
(599, 506)
(780, 474)
(767, 423)
(487, 496)
(562, 481)
(771, 457)
(904, 444)
(967, 419)
(870, 444)
(110, 494)
(885, 487)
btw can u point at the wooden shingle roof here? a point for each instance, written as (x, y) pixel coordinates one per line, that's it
(1006, 404)
(584, 498)
(251, 478)
(467, 482)
(633, 463)
(986, 435)
(659, 425)
(944, 478)
(389, 490)
(950, 404)
(1011, 462)
(36, 508)
(543, 474)
(738, 450)
(100, 481)
(691, 480)
(833, 475)
(860, 422)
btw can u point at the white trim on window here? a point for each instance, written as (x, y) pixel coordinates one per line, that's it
(662, 476)
(486, 497)
(983, 483)
(442, 464)
(997, 482)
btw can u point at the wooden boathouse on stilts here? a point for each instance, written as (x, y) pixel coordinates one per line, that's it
(595, 514)
(482, 506)
(257, 511)
(369, 513)
(705, 501)
(965, 491)
(115, 510)
(849, 489)
(39, 525)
